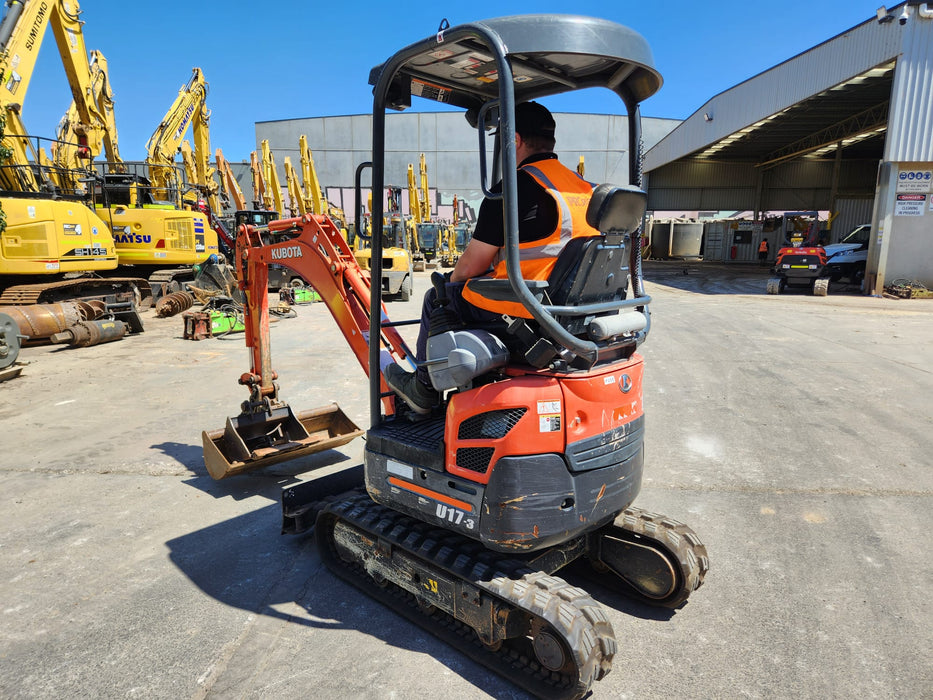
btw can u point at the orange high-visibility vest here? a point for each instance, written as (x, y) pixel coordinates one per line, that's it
(572, 194)
(763, 246)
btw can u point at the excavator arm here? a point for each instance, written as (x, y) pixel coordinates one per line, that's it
(313, 247)
(298, 203)
(267, 431)
(77, 140)
(259, 182)
(230, 188)
(204, 171)
(272, 197)
(315, 199)
(315, 202)
(425, 199)
(414, 197)
(21, 34)
(188, 107)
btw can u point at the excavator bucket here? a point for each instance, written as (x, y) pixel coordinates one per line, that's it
(251, 442)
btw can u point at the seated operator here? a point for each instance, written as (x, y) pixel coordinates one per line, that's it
(552, 201)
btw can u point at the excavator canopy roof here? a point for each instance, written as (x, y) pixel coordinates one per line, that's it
(548, 54)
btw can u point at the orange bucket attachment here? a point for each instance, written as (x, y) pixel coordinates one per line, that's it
(253, 441)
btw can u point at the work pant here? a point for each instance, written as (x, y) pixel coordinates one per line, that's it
(470, 315)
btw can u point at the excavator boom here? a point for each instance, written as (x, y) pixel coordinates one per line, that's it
(315, 202)
(229, 186)
(267, 431)
(189, 106)
(296, 197)
(272, 197)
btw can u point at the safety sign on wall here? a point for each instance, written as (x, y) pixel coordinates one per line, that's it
(914, 180)
(910, 205)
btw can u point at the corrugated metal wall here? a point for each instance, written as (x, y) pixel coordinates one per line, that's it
(910, 124)
(852, 213)
(795, 185)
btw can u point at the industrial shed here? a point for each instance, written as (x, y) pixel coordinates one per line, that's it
(450, 146)
(846, 127)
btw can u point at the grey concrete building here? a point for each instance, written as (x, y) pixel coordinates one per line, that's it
(451, 150)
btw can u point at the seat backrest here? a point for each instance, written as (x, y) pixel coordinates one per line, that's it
(589, 270)
(595, 269)
(614, 208)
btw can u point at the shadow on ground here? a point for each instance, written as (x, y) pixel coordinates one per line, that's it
(267, 481)
(245, 563)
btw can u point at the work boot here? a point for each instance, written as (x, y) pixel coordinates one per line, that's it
(420, 397)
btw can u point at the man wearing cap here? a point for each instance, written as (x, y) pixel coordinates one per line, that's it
(552, 202)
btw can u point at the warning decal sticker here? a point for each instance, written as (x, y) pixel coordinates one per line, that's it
(429, 91)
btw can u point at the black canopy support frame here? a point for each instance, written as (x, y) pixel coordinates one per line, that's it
(632, 77)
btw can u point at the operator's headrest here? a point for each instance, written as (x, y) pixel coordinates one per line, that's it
(616, 208)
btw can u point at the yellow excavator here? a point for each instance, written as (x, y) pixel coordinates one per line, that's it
(52, 230)
(433, 240)
(142, 202)
(145, 204)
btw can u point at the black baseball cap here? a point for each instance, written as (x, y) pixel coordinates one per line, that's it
(533, 119)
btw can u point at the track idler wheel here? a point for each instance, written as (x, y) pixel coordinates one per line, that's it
(655, 559)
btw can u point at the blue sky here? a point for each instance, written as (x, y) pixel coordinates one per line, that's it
(285, 59)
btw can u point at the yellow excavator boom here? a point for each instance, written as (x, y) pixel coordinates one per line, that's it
(76, 139)
(425, 199)
(272, 198)
(313, 192)
(295, 195)
(259, 183)
(229, 187)
(163, 145)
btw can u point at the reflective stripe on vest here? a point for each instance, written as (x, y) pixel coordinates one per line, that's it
(572, 194)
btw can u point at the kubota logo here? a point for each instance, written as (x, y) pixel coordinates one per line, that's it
(291, 251)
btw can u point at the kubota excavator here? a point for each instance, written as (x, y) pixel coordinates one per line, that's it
(534, 455)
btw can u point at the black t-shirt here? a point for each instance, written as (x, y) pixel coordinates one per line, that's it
(537, 210)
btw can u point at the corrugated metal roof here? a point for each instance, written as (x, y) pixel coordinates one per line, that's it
(768, 94)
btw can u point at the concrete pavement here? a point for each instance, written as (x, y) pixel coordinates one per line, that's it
(793, 433)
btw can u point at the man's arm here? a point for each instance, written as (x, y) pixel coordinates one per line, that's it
(476, 259)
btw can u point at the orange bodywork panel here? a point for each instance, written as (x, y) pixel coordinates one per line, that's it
(557, 411)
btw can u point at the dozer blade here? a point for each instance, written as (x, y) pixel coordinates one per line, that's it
(251, 442)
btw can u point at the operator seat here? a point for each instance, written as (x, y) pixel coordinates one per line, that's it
(589, 270)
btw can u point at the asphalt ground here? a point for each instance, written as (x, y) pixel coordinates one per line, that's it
(793, 433)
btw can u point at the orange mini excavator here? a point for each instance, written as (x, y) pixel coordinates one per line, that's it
(534, 456)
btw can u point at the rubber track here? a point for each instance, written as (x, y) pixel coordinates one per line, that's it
(568, 611)
(685, 550)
